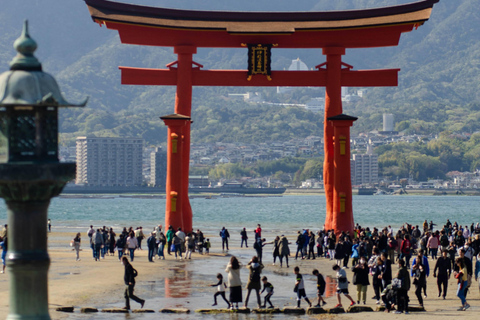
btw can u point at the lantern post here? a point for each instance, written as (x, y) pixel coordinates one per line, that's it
(30, 174)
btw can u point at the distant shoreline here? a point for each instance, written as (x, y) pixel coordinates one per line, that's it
(149, 192)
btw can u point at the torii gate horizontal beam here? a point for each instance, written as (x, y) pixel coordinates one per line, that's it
(168, 77)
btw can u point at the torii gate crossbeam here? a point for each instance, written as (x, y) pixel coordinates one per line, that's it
(187, 30)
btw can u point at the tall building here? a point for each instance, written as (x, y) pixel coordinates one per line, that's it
(364, 168)
(109, 161)
(158, 168)
(388, 122)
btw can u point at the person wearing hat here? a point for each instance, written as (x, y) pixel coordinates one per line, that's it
(444, 268)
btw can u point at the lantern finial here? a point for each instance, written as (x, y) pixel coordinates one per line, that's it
(25, 46)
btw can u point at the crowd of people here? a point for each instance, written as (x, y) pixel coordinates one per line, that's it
(104, 242)
(370, 253)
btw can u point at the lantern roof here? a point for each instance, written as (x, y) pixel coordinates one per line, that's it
(26, 84)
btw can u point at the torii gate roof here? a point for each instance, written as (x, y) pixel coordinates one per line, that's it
(143, 25)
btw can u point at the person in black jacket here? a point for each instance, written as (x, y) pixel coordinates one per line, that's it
(129, 278)
(321, 285)
(444, 268)
(360, 279)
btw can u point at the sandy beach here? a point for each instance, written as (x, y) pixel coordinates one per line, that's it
(174, 283)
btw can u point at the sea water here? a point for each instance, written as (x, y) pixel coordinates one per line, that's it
(279, 214)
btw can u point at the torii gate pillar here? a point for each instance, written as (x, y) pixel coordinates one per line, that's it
(183, 106)
(175, 194)
(333, 107)
(342, 214)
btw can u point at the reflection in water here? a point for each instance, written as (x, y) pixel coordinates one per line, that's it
(179, 284)
(331, 286)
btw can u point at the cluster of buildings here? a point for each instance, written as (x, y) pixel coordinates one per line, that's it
(116, 162)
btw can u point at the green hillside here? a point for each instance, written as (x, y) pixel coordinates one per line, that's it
(438, 86)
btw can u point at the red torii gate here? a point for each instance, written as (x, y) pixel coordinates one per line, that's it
(186, 30)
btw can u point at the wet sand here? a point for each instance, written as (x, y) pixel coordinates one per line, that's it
(173, 283)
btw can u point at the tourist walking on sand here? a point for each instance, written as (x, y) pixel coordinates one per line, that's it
(132, 244)
(462, 280)
(402, 293)
(162, 240)
(121, 244)
(181, 235)
(190, 244)
(299, 242)
(129, 279)
(234, 281)
(98, 242)
(283, 250)
(444, 267)
(177, 246)
(477, 270)
(419, 279)
(139, 235)
(360, 279)
(243, 235)
(224, 235)
(151, 244)
(299, 288)
(4, 246)
(342, 286)
(433, 244)
(76, 245)
(255, 267)
(275, 252)
(169, 235)
(111, 239)
(321, 285)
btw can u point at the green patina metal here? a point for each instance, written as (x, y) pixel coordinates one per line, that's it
(30, 174)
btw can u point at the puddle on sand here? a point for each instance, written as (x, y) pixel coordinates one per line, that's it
(189, 286)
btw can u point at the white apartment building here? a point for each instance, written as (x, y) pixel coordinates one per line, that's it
(109, 161)
(364, 168)
(158, 168)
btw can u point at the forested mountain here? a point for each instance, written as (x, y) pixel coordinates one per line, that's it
(438, 85)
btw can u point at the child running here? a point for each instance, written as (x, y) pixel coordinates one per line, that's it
(300, 287)
(320, 288)
(268, 287)
(220, 290)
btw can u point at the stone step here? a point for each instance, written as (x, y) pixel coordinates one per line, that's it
(115, 310)
(174, 310)
(336, 310)
(143, 311)
(293, 310)
(88, 310)
(216, 311)
(267, 310)
(355, 309)
(65, 309)
(316, 310)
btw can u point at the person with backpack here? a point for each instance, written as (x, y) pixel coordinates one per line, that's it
(129, 279)
(224, 235)
(254, 283)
